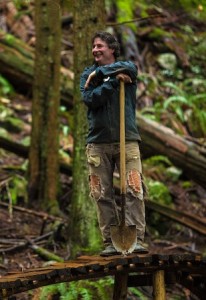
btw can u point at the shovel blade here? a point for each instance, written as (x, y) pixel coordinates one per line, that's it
(124, 238)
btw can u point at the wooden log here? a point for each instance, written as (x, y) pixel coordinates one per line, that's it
(23, 151)
(159, 292)
(17, 62)
(120, 286)
(189, 220)
(187, 155)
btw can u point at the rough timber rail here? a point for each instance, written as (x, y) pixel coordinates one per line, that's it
(155, 270)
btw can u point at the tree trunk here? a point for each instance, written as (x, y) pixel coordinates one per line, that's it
(43, 156)
(84, 228)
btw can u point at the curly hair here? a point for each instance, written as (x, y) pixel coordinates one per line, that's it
(110, 40)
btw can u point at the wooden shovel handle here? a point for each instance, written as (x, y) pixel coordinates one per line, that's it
(122, 138)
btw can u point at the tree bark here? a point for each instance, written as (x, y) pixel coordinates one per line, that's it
(84, 225)
(43, 154)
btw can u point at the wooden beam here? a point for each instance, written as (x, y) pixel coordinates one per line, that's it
(159, 292)
(120, 286)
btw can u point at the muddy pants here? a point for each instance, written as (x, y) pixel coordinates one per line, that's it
(102, 161)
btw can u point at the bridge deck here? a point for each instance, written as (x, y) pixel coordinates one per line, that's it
(186, 269)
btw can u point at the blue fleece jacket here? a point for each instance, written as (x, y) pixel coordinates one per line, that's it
(102, 100)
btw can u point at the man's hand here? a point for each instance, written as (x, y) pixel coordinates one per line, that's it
(91, 76)
(124, 77)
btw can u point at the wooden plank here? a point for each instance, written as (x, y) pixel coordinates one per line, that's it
(11, 284)
(158, 258)
(140, 259)
(184, 257)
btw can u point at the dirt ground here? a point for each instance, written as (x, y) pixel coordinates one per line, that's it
(19, 228)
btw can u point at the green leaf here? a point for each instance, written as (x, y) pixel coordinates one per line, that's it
(179, 99)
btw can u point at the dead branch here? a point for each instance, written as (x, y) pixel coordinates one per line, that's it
(32, 212)
(24, 243)
(44, 253)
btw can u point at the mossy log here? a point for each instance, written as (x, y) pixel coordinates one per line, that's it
(17, 65)
(185, 154)
(23, 151)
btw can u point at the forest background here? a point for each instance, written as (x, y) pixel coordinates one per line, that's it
(45, 46)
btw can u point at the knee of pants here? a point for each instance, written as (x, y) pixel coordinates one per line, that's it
(95, 186)
(134, 184)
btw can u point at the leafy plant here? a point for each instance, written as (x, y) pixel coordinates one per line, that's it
(158, 192)
(125, 12)
(138, 293)
(188, 103)
(158, 169)
(21, 3)
(17, 189)
(5, 87)
(84, 289)
(8, 119)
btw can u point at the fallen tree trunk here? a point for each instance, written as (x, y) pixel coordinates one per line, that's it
(17, 62)
(192, 221)
(23, 151)
(188, 156)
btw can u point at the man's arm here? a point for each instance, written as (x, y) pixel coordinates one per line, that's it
(95, 96)
(108, 77)
(128, 71)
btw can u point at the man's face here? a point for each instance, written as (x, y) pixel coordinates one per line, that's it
(103, 55)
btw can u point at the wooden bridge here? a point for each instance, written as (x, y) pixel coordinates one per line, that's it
(154, 270)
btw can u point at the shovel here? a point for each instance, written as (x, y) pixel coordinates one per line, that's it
(124, 238)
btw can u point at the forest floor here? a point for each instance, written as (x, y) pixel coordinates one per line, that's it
(20, 227)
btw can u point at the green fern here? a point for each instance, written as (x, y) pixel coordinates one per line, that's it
(5, 87)
(187, 103)
(84, 289)
(174, 87)
(138, 293)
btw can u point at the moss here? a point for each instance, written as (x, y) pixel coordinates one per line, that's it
(159, 34)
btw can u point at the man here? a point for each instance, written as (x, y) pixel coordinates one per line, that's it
(99, 86)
